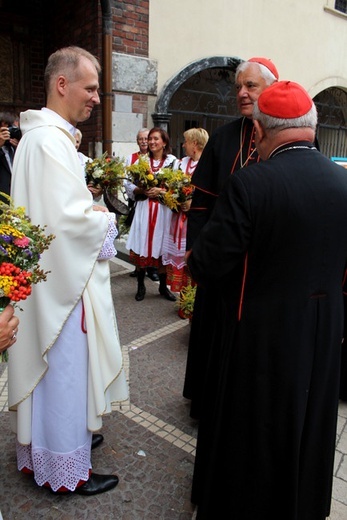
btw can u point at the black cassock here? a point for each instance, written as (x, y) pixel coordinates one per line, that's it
(266, 438)
(221, 157)
(343, 384)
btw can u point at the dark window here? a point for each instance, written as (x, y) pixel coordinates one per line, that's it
(341, 5)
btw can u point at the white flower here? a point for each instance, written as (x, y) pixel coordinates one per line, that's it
(99, 172)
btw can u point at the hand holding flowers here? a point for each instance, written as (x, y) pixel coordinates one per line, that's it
(176, 188)
(105, 172)
(141, 175)
(8, 330)
(179, 189)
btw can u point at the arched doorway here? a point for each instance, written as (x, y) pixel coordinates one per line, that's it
(332, 121)
(203, 94)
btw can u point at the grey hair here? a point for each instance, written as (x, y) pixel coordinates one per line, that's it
(265, 73)
(308, 120)
(140, 131)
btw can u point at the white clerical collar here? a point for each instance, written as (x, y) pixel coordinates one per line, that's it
(62, 122)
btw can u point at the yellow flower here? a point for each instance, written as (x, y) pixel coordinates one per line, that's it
(6, 229)
(186, 300)
(140, 174)
(6, 283)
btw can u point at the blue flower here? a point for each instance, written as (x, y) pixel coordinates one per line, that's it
(6, 238)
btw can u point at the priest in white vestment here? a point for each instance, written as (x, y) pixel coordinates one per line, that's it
(66, 368)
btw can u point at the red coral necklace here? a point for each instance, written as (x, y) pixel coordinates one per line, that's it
(156, 168)
(191, 167)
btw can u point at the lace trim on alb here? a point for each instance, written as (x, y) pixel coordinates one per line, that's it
(58, 469)
(108, 250)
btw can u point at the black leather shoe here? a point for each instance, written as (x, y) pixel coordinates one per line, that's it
(97, 439)
(97, 484)
(141, 291)
(167, 294)
(153, 275)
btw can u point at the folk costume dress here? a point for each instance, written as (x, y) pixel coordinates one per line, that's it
(175, 242)
(150, 224)
(266, 439)
(66, 368)
(230, 148)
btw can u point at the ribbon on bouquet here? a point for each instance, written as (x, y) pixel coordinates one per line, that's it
(179, 225)
(152, 220)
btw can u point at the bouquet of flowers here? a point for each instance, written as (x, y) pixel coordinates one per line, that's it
(179, 189)
(21, 245)
(106, 172)
(141, 175)
(186, 301)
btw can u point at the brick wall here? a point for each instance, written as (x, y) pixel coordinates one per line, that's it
(130, 29)
(130, 36)
(42, 26)
(21, 66)
(78, 23)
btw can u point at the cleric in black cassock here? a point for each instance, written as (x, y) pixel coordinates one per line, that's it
(230, 148)
(266, 440)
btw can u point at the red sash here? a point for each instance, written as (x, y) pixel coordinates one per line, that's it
(179, 224)
(152, 220)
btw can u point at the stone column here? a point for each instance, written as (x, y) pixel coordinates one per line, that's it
(161, 120)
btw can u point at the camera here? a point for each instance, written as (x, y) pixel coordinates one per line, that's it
(15, 132)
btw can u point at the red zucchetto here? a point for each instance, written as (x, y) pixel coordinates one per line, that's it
(285, 100)
(267, 63)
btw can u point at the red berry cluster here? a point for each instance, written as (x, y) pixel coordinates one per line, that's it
(20, 287)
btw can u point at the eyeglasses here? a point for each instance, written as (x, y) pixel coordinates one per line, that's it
(143, 139)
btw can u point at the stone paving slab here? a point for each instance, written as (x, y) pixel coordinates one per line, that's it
(150, 445)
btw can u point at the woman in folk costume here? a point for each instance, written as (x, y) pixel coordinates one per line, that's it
(66, 367)
(152, 219)
(175, 241)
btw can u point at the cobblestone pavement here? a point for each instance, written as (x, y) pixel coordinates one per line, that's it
(150, 440)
